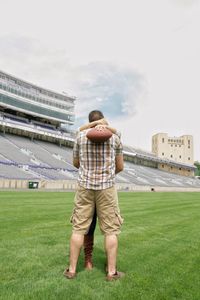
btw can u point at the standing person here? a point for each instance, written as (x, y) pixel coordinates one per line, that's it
(97, 163)
(88, 243)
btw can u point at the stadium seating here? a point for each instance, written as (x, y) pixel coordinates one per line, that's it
(21, 158)
(15, 172)
(11, 152)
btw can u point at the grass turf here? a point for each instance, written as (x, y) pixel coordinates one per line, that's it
(158, 248)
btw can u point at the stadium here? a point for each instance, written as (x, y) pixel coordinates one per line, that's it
(159, 244)
(36, 145)
(138, 62)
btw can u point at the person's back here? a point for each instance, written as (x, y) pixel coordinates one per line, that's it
(97, 161)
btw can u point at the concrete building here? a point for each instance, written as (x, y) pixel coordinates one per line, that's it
(178, 149)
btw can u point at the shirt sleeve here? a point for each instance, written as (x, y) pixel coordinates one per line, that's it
(118, 146)
(76, 148)
(118, 133)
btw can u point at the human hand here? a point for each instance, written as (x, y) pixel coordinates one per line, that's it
(100, 127)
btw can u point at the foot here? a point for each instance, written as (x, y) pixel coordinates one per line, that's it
(115, 276)
(68, 274)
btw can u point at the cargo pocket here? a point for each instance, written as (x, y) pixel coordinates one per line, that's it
(118, 217)
(72, 217)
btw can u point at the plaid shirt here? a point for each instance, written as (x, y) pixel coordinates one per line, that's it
(97, 161)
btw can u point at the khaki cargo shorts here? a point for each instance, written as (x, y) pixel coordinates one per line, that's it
(106, 203)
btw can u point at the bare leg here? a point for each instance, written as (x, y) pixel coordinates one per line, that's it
(111, 245)
(76, 243)
(89, 243)
(88, 249)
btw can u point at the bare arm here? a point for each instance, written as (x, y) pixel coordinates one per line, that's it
(119, 163)
(76, 163)
(101, 127)
(112, 129)
(93, 124)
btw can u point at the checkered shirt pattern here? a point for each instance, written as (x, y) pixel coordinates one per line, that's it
(97, 161)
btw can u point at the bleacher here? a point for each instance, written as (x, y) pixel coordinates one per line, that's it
(23, 158)
(10, 171)
(142, 175)
(11, 152)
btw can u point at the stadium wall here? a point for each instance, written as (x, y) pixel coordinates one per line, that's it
(70, 185)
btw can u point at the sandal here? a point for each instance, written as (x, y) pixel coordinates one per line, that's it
(115, 276)
(69, 274)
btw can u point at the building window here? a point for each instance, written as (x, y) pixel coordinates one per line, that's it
(171, 168)
(171, 145)
(163, 140)
(179, 169)
(188, 158)
(188, 147)
(179, 156)
(171, 155)
(162, 166)
(162, 153)
(175, 145)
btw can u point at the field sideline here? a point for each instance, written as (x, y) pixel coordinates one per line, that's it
(158, 248)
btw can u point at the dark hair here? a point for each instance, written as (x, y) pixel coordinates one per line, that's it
(95, 115)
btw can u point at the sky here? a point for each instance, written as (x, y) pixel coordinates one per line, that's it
(136, 60)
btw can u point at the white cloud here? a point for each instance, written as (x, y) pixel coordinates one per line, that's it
(115, 89)
(139, 49)
(109, 87)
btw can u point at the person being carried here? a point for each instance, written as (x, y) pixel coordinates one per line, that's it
(100, 124)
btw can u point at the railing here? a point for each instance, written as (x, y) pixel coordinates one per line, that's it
(15, 164)
(36, 129)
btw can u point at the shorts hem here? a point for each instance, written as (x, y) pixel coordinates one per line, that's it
(111, 233)
(81, 232)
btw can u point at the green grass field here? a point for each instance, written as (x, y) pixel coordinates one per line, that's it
(159, 248)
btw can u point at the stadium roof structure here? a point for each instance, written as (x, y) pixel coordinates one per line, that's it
(21, 96)
(35, 86)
